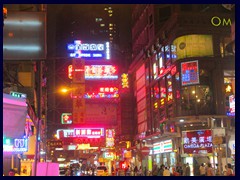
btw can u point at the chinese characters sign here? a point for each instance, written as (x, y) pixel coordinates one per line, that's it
(93, 72)
(190, 73)
(110, 137)
(101, 72)
(196, 142)
(80, 132)
(88, 132)
(89, 50)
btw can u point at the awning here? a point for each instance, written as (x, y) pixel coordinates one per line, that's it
(14, 116)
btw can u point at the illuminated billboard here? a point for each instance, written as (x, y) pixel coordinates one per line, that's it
(101, 72)
(193, 46)
(15, 145)
(190, 73)
(89, 50)
(110, 138)
(231, 110)
(197, 142)
(80, 132)
(96, 72)
(66, 118)
(163, 147)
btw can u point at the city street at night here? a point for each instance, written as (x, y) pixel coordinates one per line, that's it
(118, 90)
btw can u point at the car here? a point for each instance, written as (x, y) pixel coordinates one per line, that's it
(101, 171)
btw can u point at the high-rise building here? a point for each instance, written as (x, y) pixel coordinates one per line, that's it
(184, 80)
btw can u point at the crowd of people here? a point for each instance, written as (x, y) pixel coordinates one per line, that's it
(184, 170)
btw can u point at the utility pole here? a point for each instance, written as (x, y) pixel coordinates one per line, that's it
(39, 114)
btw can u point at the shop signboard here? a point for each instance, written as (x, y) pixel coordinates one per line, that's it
(193, 46)
(163, 147)
(91, 51)
(190, 73)
(197, 142)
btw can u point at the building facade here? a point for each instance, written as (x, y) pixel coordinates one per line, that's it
(180, 71)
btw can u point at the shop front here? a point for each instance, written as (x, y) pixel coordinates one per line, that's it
(197, 149)
(163, 153)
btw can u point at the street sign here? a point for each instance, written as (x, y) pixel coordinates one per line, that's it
(145, 150)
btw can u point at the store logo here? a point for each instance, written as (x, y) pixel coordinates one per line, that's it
(182, 45)
(217, 21)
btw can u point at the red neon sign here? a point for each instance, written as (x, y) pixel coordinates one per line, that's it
(96, 72)
(88, 132)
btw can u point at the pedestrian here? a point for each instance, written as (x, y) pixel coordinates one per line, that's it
(11, 172)
(140, 173)
(127, 171)
(184, 170)
(166, 172)
(135, 171)
(155, 170)
(161, 169)
(179, 170)
(145, 171)
(112, 169)
(210, 171)
(202, 170)
(188, 170)
(229, 170)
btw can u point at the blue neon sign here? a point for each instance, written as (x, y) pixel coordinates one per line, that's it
(89, 50)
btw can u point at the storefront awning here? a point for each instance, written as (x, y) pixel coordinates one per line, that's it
(14, 116)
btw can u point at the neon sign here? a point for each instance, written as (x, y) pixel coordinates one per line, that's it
(86, 50)
(96, 72)
(101, 72)
(17, 145)
(190, 73)
(66, 118)
(80, 132)
(110, 137)
(125, 80)
(231, 110)
(89, 132)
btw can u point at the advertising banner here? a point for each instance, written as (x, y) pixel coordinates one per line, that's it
(193, 46)
(190, 73)
(197, 142)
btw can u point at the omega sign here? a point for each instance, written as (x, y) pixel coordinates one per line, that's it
(196, 142)
(217, 21)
